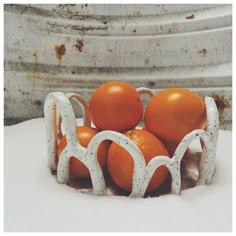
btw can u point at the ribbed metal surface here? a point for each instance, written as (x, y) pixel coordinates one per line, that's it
(75, 48)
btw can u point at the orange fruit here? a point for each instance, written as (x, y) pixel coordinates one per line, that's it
(171, 147)
(173, 113)
(116, 106)
(120, 164)
(76, 167)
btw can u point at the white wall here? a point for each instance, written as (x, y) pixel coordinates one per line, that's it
(156, 46)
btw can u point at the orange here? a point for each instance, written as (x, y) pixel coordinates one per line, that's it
(84, 134)
(116, 106)
(173, 113)
(121, 165)
(171, 147)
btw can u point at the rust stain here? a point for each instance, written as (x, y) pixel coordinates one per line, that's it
(23, 92)
(151, 83)
(60, 51)
(203, 51)
(222, 103)
(103, 20)
(190, 17)
(34, 75)
(64, 5)
(37, 103)
(79, 45)
(88, 28)
(36, 61)
(86, 5)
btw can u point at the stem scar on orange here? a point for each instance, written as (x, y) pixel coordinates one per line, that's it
(120, 164)
(116, 106)
(76, 167)
(173, 113)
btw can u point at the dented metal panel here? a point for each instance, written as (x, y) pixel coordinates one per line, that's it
(77, 47)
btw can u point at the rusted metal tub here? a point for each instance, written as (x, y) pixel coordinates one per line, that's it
(77, 47)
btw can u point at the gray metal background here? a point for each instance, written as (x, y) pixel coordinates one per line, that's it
(156, 46)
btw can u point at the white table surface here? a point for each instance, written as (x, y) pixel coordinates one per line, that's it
(34, 201)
